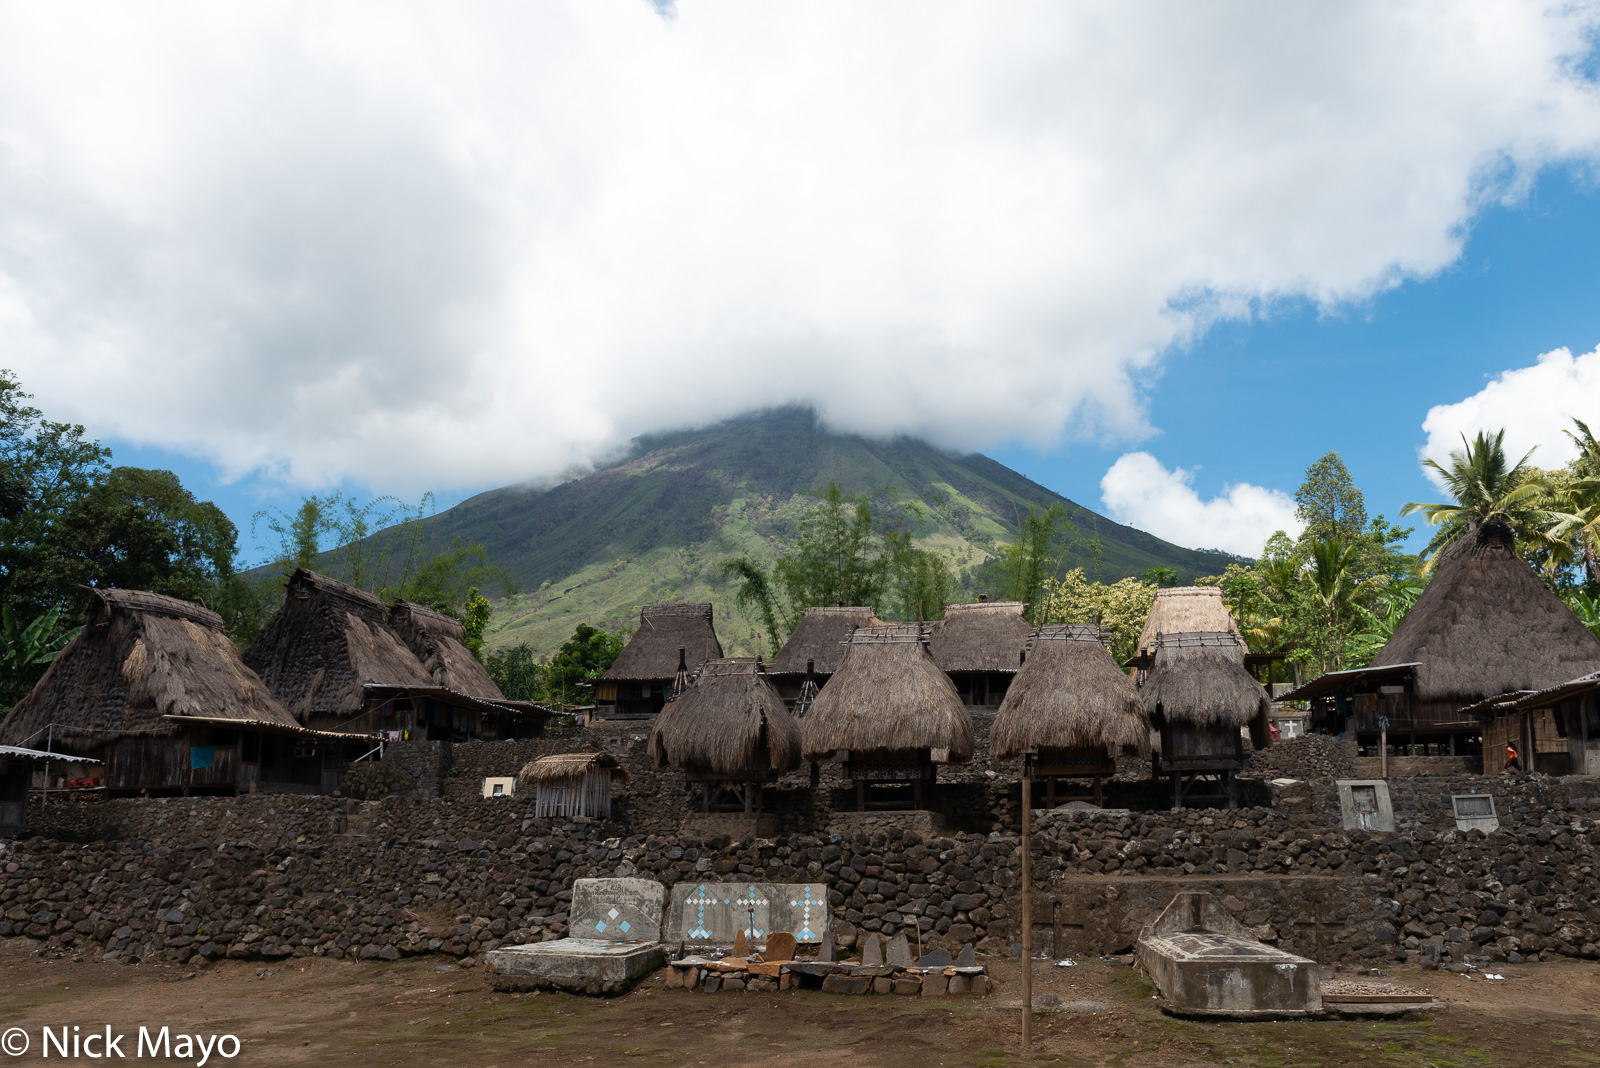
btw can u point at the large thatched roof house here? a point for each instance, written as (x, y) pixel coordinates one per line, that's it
(671, 638)
(1484, 626)
(814, 652)
(888, 712)
(156, 689)
(1199, 694)
(439, 642)
(980, 647)
(730, 726)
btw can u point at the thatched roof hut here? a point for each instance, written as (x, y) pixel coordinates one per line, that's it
(651, 654)
(439, 642)
(988, 636)
(327, 641)
(1200, 680)
(572, 784)
(730, 724)
(143, 663)
(1069, 695)
(820, 640)
(888, 696)
(1185, 610)
(1485, 625)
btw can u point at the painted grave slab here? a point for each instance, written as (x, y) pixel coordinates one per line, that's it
(617, 909)
(615, 939)
(714, 913)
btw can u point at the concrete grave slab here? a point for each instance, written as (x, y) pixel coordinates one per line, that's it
(617, 909)
(1364, 805)
(1208, 964)
(581, 965)
(714, 913)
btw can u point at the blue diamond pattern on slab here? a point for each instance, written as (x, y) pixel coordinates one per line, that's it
(600, 925)
(625, 926)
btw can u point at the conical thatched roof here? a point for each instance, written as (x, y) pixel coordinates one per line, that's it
(731, 722)
(325, 643)
(1486, 625)
(821, 638)
(141, 657)
(888, 696)
(439, 643)
(652, 653)
(1201, 679)
(987, 636)
(559, 766)
(1070, 694)
(1186, 610)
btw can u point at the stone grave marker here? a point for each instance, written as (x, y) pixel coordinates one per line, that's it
(709, 913)
(827, 954)
(968, 959)
(741, 947)
(617, 910)
(939, 958)
(780, 946)
(872, 952)
(899, 955)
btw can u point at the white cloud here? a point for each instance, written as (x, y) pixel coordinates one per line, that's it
(441, 245)
(1533, 405)
(1140, 492)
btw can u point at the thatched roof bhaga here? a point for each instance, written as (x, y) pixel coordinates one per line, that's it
(439, 643)
(1070, 694)
(1200, 679)
(1186, 610)
(326, 642)
(141, 657)
(1486, 625)
(987, 636)
(651, 654)
(731, 722)
(888, 697)
(560, 766)
(821, 638)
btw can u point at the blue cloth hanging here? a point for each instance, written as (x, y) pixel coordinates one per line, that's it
(202, 756)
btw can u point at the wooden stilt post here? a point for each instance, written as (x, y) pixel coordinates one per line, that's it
(1027, 900)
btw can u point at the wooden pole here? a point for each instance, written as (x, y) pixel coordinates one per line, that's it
(1383, 746)
(1027, 900)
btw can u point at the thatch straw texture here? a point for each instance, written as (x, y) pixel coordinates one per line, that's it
(325, 643)
(730, 724)
(439, 643)
(569, 766)
(987, 636)
(141, 657)
(888, 697)
(1070, 694)
(1486, 625)
(1201, 679)
(652, 653)
(821, 638)
(1185, 610)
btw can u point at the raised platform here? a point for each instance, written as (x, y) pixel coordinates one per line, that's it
(580, 965)
(1207, 964)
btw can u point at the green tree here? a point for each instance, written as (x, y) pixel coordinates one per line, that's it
(518, 673)
(1328, 502)
(1161, 577)
(1336, 588)
(582, 658)
(1484, 485)
(25, 652)
(1120, 606)
(475, 620)
(1575, 506)
(1042, 540)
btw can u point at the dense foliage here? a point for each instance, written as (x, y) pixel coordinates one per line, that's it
(561, 680)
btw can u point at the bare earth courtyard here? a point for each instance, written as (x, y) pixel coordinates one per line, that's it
(313, 1011)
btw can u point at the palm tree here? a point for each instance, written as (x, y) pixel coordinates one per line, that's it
(1486, 486)
(1335, 588)
(1577, 512)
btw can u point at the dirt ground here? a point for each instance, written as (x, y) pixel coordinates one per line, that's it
(409, 1012)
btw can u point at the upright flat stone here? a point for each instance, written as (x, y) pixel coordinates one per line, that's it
(711, 913)
(780, 947)
(899, 954)
(827, 954)
(968, 959)
(741, 946)
(872, 952)
(617, 909)
(938, 958)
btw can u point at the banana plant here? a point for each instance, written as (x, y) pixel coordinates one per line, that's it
(24, 649)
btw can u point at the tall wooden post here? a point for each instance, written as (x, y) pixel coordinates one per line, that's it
(1027, 899)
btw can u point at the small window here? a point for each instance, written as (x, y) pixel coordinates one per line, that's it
(499, 789)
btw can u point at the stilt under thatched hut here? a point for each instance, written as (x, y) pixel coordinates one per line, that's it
(728, 733)
(643, 677)
(1485, 626)
(1071, 709)
(814, 652)
(572, 784)
(156, 690)
(980, 647)
(891, 716)
(1199, 695)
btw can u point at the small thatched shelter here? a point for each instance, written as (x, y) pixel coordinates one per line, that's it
(889, 713)
(814, 652)
(1199, 695)
(643, 677)
(980, 647)
(572, 784)
(1072, 707)
(155, 688)
(1484, 626)
(729, 729)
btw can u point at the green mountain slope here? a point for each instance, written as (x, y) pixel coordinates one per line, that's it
(658, 525)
